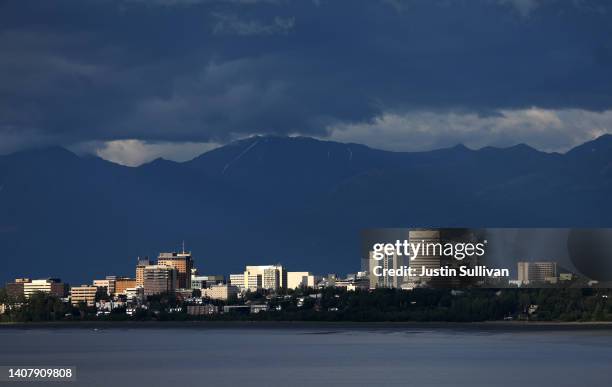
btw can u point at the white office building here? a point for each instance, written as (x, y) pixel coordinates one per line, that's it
(270, 277)
(300, 279)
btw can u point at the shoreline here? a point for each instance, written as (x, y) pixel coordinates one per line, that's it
(491, 326)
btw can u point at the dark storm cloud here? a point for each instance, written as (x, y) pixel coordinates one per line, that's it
(198, 70)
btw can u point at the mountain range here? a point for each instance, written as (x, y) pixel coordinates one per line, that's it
(297, 201)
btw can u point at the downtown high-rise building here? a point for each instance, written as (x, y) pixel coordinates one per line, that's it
(159, 279)
(381, 267)
(182, 262)
(429, 258)
(141, 263)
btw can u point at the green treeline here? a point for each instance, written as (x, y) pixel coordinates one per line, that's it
(445, 305)
(334, 304)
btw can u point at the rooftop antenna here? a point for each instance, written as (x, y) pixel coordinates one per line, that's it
(183, 246)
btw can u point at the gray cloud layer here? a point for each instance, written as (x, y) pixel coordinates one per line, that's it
(199, 71)
(233, 25)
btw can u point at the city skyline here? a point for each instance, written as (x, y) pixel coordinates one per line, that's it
(423, 248)
(275, 277)
(269, 289)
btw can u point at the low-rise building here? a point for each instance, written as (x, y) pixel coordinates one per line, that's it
(221, 292)
(123, 283)
(83, 293)
(353, 283)
(14, 290)
(536, 272)
(256, 308)
(108, 284)
(328, 281)
(205, 281)
(109, 305)
(360, 284)
(134, 294)
(131, 311)
(200, 310)
(566, 277)
(52, 286)
(183, 294)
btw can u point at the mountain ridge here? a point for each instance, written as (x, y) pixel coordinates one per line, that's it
(58, 149)
(299, 201)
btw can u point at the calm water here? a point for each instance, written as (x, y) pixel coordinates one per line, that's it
(315, 356)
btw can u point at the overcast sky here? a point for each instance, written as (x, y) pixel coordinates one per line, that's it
(131, 80)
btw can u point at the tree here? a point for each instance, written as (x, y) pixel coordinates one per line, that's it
(3, 296)
(102, 294)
